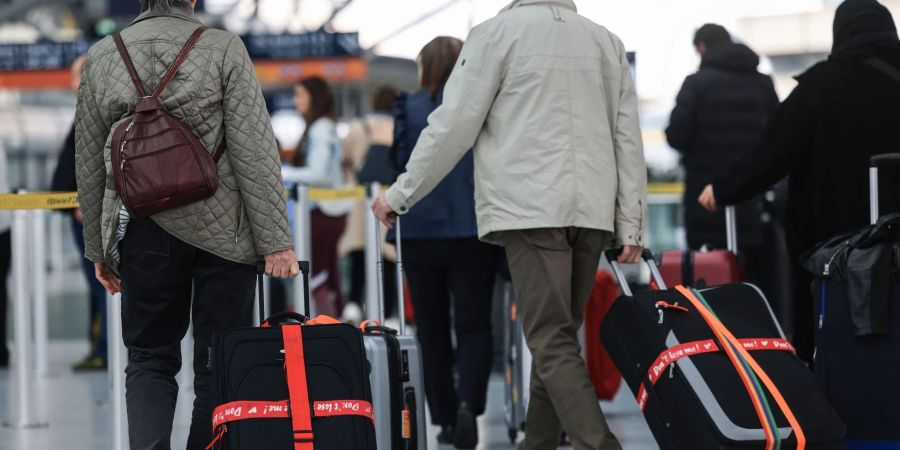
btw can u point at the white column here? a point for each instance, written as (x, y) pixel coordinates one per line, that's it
(117, 361)
(38, 273)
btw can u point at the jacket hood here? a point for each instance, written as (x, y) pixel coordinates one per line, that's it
(733, 57)
(861, 28)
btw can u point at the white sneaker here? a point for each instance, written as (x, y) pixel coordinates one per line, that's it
(352, 314)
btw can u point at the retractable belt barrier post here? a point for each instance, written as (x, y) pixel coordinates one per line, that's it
(38, 273)
(302, 243)
(373, 305)
(118, 357)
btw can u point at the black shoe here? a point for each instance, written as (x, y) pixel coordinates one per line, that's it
(465, 435)
(90, 364)
(445, 437)
(4, 360)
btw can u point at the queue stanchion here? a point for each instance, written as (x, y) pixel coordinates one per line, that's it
(303, 244)
(38, 273)
(371, 255)
(118, 357)
(23, 415)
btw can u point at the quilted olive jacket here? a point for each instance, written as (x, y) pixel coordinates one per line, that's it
(217, 94)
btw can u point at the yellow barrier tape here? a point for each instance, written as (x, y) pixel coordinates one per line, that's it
(665, 188)
(350, 193)
(39, 200)
(69, 200)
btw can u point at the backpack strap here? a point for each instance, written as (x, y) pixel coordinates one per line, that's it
(129, 65)
(179, 60)
(298, 389)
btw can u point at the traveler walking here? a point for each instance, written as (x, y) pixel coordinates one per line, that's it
(843, 112)
(318, 164)
(367, 159)
(193, 262)
(450, 272)
(559, 174)
(720, 116)
(64, 181)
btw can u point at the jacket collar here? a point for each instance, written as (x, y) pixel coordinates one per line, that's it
(568, 4)
(178, 13)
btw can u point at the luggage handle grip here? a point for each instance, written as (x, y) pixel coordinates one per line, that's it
(612, 256)
(874, 163)
(374, 189)
(261, 271)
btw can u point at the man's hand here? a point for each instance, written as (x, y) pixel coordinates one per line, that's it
(107, 278)
(282, 264)
(383, 211)
(708, 198)
(76, 214)
(631, 254)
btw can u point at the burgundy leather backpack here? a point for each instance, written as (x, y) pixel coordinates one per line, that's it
(158, 162)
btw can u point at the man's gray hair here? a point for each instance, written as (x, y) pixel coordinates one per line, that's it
(164, 6)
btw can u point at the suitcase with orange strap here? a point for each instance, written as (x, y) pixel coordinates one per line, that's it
(712, 369)
(292, 384)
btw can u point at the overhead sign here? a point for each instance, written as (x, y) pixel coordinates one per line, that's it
(266, 47)
(300, 46)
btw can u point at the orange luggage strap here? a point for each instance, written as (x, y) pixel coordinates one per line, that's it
(733, 345)
(301, 420)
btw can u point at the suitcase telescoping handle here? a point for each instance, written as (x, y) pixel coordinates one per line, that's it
(731, 231)
(612, 256)
(874, 163)
(401, 295)
(277, 318)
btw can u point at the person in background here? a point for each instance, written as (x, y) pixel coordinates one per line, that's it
(64, 181)
(842, 112)
(366, 160)
(720, 116)
(196, 263)
(546, 98)
(318, 164)
(5, 258)
(450, 272)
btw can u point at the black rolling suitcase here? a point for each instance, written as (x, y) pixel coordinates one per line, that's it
(712, 369)
(287, 386)
(856, 362)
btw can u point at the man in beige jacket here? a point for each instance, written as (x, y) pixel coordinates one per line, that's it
(546, 98)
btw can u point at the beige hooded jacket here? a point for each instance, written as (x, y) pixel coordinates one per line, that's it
(547, 100)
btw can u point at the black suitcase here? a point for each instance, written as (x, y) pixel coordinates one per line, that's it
(691, 391)
(253, 367)
(858, 374)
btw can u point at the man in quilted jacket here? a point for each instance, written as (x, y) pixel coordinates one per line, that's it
(193, 262)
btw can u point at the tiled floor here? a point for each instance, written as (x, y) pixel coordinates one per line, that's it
(77, 409)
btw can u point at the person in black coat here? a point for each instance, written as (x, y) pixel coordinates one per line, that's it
(64, 181)
(719, 117)
(450, 272)
(843, 111)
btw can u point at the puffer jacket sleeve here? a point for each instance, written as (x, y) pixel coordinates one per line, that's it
(91, 131)
(682, 123)
(631, 168)
(400, 149)
(253, 152)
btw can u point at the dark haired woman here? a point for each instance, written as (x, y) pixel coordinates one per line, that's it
(318, 164)
(444, 259)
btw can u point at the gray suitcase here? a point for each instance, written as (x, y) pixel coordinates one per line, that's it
(398, 388)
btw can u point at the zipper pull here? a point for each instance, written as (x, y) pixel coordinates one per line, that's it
(661, 315)
(672, 371)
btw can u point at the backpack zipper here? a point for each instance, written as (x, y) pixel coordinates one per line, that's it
(827, 270)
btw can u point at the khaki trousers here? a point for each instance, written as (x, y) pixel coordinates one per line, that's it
(553, 272)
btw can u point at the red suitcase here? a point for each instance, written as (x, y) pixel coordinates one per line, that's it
(601, 368)
(700, 269)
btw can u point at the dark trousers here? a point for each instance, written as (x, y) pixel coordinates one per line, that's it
(5, 263)
(97, 324)
(464, 270)
(165, 284)
(358, 282)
